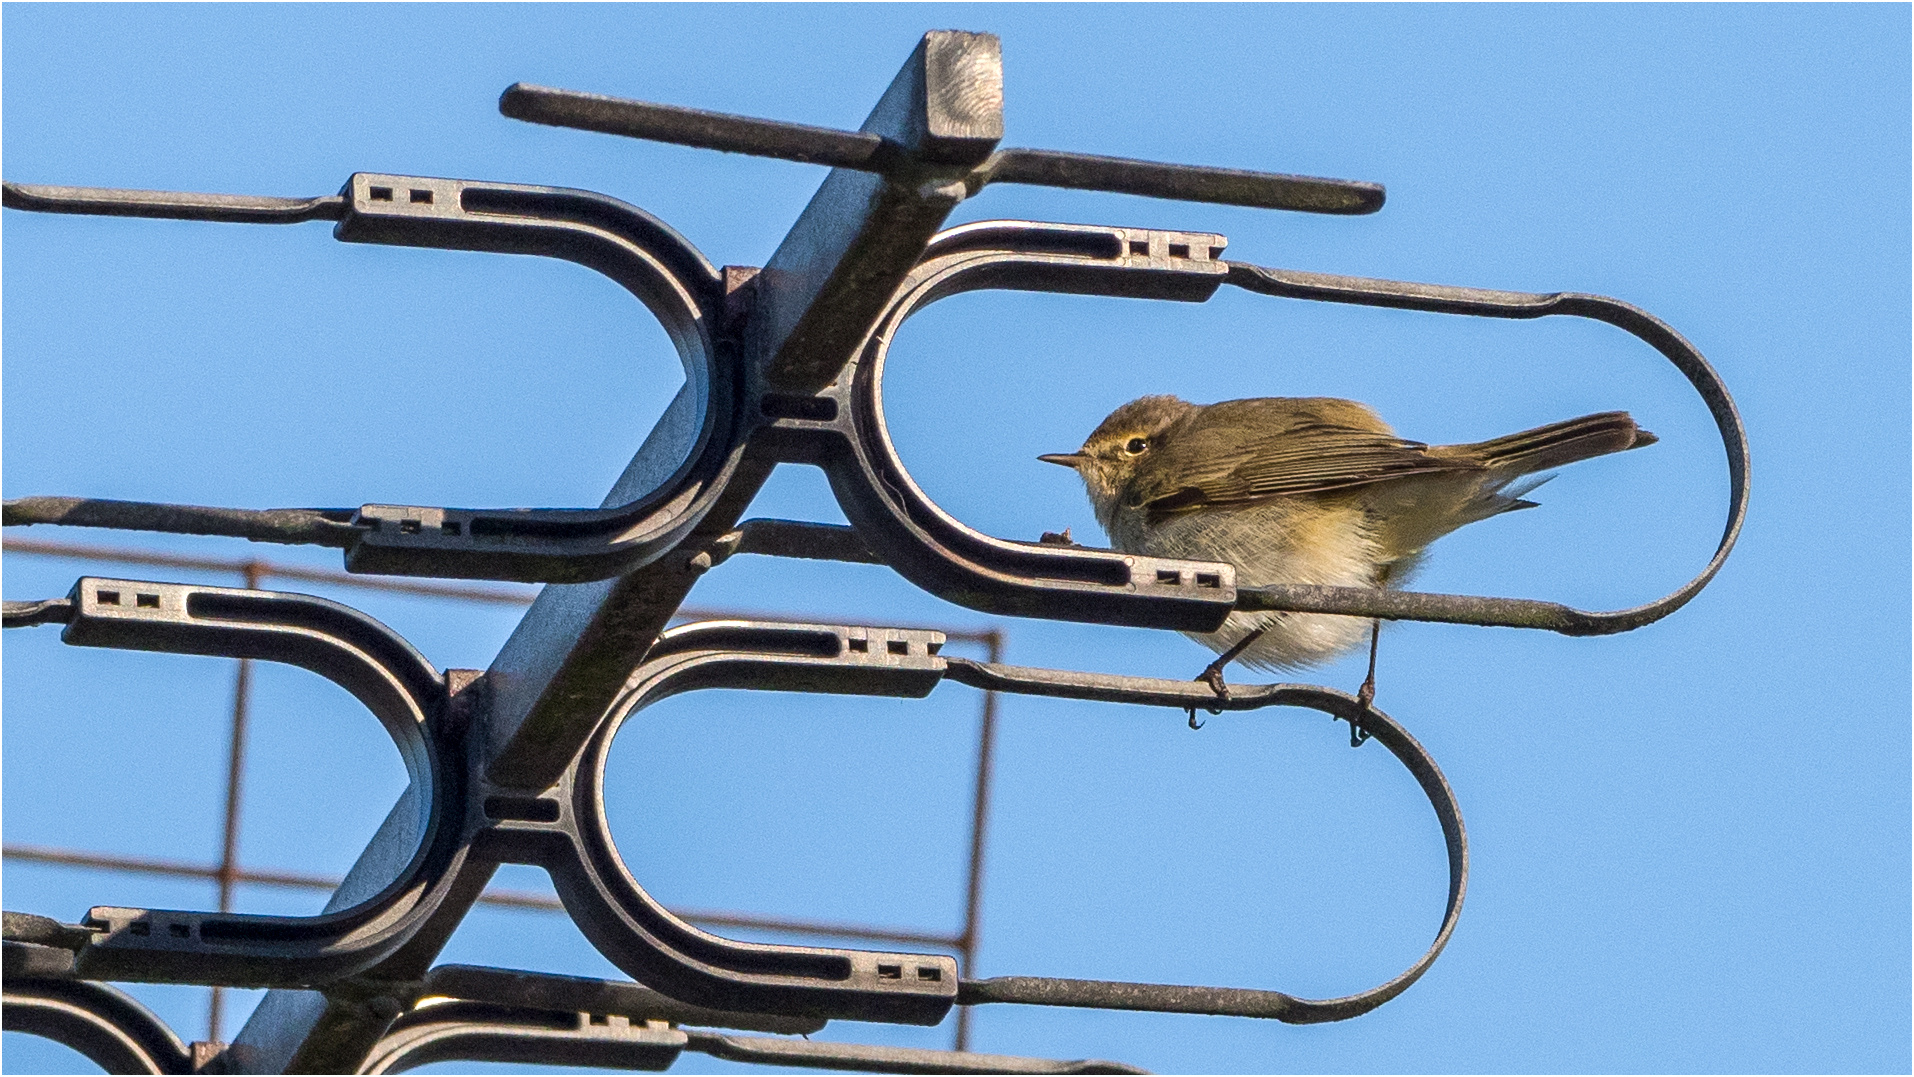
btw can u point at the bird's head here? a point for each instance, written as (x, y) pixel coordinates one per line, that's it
(1120, 445)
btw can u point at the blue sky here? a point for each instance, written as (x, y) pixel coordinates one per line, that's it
(1691, 842)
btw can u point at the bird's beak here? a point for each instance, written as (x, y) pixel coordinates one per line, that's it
(1066, 459)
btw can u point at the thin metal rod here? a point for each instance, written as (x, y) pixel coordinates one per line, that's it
(321, 527)
(979, 819)
(171, 205)
(856, 1057)
(796, 538)
(48, 611)
(696, 127)
(78, 551)
(513, 899)
(866, 152)
(1184, 183)
(143, 865)
(235, 788)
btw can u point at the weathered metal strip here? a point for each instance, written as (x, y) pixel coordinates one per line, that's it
(170, 205)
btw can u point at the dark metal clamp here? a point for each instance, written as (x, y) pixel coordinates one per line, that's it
(371, 916)
(644, 515)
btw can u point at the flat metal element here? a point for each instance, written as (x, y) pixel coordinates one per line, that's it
(867, 152)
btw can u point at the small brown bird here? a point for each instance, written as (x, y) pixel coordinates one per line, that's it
(1307, 490)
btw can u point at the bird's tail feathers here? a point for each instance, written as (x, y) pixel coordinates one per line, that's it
(1558, 444)
(1515, 495)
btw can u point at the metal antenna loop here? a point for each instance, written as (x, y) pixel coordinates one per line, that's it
(650, 509)
(1227, 1001)
(103, 1023)
(372, 915)
(574, 842)
(1484, 303)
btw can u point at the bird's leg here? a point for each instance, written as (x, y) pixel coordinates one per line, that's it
(1212, 674)
(1367, 693)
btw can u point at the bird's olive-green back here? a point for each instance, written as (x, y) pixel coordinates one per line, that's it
(1242, 451)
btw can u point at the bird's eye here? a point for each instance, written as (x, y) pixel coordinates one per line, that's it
(1135, 446)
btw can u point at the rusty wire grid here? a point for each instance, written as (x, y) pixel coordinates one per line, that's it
(228, 872)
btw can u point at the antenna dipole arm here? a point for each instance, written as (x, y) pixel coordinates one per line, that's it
(866, 152)
(171, 205)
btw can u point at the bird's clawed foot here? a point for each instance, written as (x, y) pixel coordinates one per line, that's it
(1212, 674)
(1366, 695)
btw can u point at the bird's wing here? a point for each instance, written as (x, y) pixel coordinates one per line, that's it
(1315, 455)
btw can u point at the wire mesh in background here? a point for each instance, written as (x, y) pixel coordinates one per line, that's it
(228, 872)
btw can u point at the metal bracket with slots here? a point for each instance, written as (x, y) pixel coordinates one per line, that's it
(367, 921)
(644, 515)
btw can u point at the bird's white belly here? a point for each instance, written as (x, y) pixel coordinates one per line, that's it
(1271, 543)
